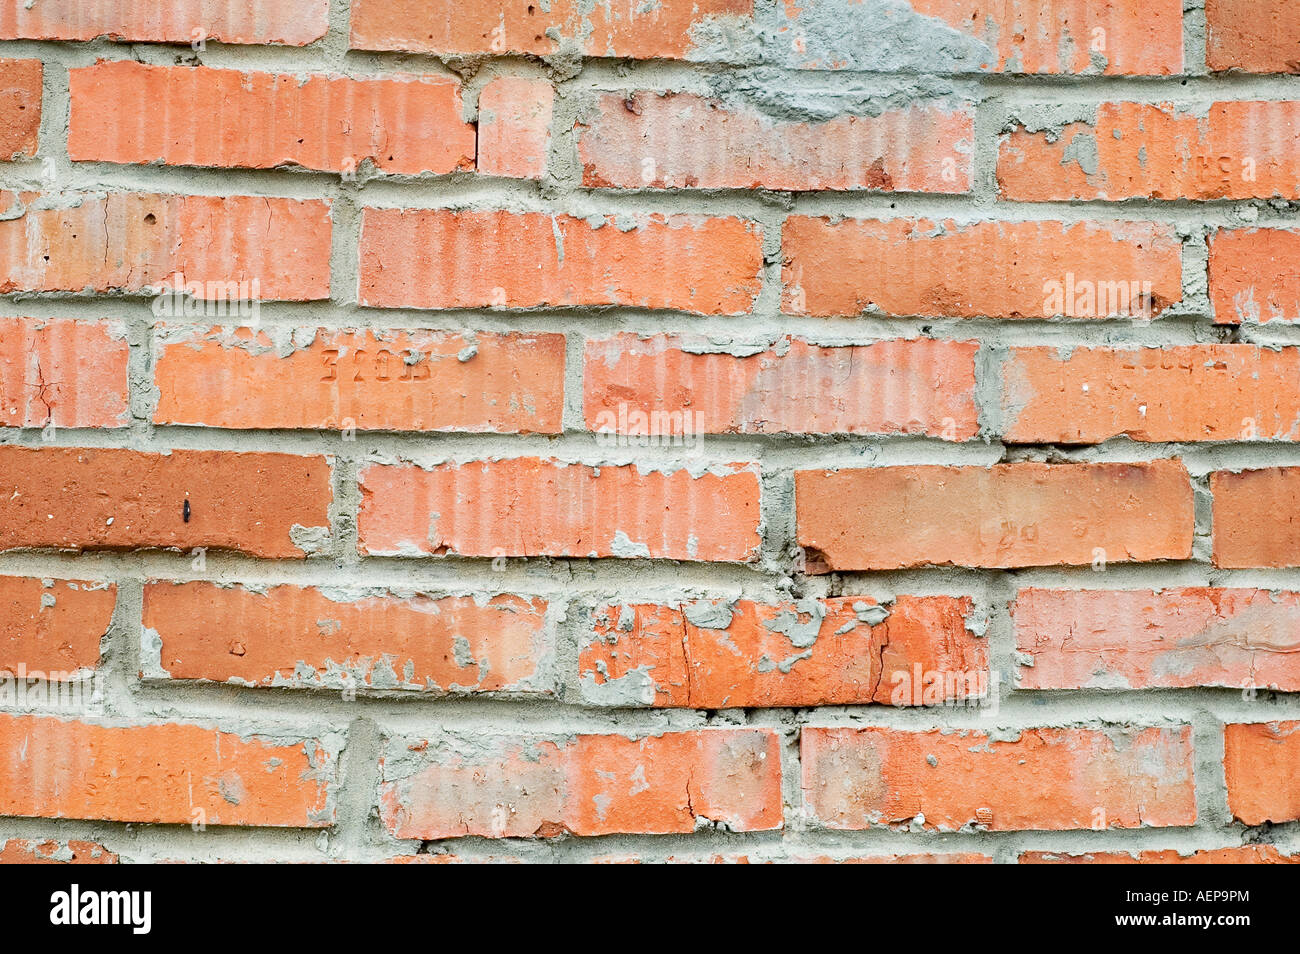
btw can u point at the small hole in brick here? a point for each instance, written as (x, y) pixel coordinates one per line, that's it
(150, 219)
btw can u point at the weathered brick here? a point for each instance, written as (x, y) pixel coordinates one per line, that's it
(401, 123)
(1007, 515)
(711, 654)
(264, 504)
(1255, 275)
(1256, 517)
(1261, 763)
(63, 372)
(389, 380)
(506, 787)
(1244, 855)
(342, 637)
(20, 106)
(1041, 778)
(165, 773)
(698, 385)
(52, 628)
(514, 127)
(537, 507)
(982, 269)
(24, 851)
(1173, 638)
(1258, 36)
(684, 141)
(440, 258)
(1230, 392)
(288, 22)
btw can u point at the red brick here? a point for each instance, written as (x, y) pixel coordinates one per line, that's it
(1174, 638)
(1047, 779)
(514, 127)
(401, 123)
(1258, 36)
(57, 243)
(440, 258)
(1234, 150)
(954, 858)
(1257, 517)
(52, 627)
(683, 141)
(983, 269)
(1255, 275)
(506, 787)
(335, 637)
(20, 106)
(632, 30)
(538, 507)
(1230, 392)
(73, 373)
(165, 773)
(711, 654)
(1244, 855)
(112, 499)
(1007, 515)
(289, 22)
(22, 851)
(889, 387)
(1261, 762)
(377, 380)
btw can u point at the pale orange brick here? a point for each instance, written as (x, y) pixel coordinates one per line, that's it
(365, 379)
(1261, 763)
(52, 628)
(1007, 515)
(635, 30)
(791, 386)
(401, 123)
(1173, 638)
(1230, 392)
(1256, 517)
(712, 654)
(440, 258)
(269, 505)
(288, 22)
(1258, 36)
(20, 107)
(23, 851)
(337, 637)
(1234, 150)
(1244, 855)
(58, 243)
(505, 787)
(64, 372)
(1039, 778)
(684, 141)
(530, 506)
(1255, 275)
(983, 269)
(164, 773)
(514, 127)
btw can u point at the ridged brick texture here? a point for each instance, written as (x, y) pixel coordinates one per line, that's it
(688, 431)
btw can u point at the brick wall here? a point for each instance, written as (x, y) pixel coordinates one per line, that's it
(710, 430)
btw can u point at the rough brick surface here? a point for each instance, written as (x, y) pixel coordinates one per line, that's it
(290, 22)
(53, 627)
(62, 372)
(22, 851)
(20, 107)
(1256, 517)
(514, 127)
(1255, 275)
(1260, 763)
(1257, 36)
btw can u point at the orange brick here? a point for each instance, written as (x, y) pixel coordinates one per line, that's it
(1245, 855)
(71, 373)
(269, 505)
(337, 637)
(1257, 517)
(20, 106)
(634, 30)
(1047, 779)
(1174, 638)
(1007, 515)
(289, 22)
(683, 141)
(1255, 275)
(506, 787)
(514, 127)
(164, 773)
(22, 851)
(440, 258)
(57, 243)
(1235, 150)
(711, 654)
(52, 627)
(983, 269)
(401, 123)
(536, 507)
(1258, 36)
(387, 380)
(1230, 392)
(889, 387)
(1261, 762)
